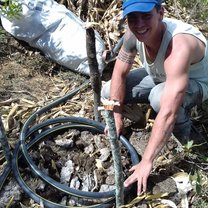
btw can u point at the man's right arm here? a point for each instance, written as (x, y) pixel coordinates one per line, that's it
(122, 66)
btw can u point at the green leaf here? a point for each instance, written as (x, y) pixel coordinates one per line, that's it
(189, 145)
(198, 183)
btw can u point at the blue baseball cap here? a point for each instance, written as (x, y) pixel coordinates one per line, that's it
(139, 6)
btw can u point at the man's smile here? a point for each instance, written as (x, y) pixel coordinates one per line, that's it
(141, 32)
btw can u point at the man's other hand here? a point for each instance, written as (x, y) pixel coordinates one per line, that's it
(140, 174)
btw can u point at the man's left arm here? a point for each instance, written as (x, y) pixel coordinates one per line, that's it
(176, 68)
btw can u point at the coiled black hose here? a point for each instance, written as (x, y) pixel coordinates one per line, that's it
(59, 124)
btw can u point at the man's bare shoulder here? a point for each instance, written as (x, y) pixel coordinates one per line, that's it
(187, 45)
(130, 41)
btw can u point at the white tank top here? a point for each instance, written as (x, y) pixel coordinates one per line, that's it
(198, 71)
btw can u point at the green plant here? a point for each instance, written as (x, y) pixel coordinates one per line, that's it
(200, 203)
(10, 8)
(2, 35)
(201, 182)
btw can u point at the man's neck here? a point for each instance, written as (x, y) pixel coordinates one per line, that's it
(153, 45)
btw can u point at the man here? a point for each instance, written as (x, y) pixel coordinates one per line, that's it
(174, 77)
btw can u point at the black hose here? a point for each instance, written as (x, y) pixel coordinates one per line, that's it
(75, 123)
(44, 130)
(36, 197)
(63, 99)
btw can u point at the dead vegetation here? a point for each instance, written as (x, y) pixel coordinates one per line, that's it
(29, 81)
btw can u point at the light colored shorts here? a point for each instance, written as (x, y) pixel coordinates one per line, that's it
(140, 88)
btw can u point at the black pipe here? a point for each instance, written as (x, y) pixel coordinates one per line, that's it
(63, 123)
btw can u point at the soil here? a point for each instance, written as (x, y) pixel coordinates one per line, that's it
(29, 81)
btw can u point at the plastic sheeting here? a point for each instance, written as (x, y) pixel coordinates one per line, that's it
(56, 31)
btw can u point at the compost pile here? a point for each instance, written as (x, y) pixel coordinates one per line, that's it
(79, 158)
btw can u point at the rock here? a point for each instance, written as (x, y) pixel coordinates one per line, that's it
(64, 142)
(89, 149)
(105, 153)
(12, 189)
(87, 183)
(75, 183)
(105, 187)
(110, 180)
(67, 171)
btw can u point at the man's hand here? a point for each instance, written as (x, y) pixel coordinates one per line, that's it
(119, 126)
(140, 174)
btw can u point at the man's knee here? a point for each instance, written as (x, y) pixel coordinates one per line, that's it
(155, 95)
(105, 92)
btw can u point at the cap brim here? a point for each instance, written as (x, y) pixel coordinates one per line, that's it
(138, 7)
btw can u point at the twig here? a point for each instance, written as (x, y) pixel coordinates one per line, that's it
(4, 143)
(22, 91)
(9, 101)
(198, 165)
(113, 139)
(192, 11)
(94, 72)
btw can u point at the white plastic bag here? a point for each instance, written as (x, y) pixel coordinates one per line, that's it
(56, 31)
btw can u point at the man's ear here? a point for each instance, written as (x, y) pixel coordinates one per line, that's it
(161, 12)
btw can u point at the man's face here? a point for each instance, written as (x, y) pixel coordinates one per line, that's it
(145, 25)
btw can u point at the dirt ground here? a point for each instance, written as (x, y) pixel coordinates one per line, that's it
(29, 81)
